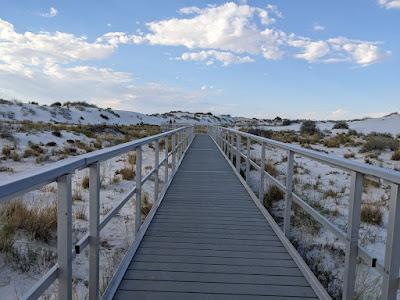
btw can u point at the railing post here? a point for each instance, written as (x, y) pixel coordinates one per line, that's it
(94, 210)
(247, 159)
(262, 174)
(173, 152)
(64, 237)
(238, 152)
(166, 162)
(230, 146)
(288, 195)
(156, 168)
(392, 258)
(138, 200)
(353, 225)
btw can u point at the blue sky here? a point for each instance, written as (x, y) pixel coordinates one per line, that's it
(313, 59)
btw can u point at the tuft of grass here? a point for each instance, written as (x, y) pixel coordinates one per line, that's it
(77, 195)
(146, 205)
(126, 173)
(340, 125)
(6, 151)
(371, 214)
(349, 155)
(80, 213)
(132, 158)
(85, 182)
(272, 195)
(39, 222)
(396, 155)
(331, 194)
(15, 156)
(271, 169)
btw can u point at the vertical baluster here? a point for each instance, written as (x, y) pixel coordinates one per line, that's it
(392, 257)
(64, 237)
(353, 225)
(247, 159)
(262, 174)
(94, 211)
(238, 152)
(138, 200)
(166, 162)
(288, 195)
(173, 152)
(156, 167)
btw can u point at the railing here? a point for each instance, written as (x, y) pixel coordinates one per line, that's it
(230, 141)
(62, 171)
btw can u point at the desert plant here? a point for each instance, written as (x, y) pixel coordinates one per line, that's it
(371, 214)
(396, 155)
(271, 169)
(272, 195)
(308, 127)
(126, 173)
(85, 182)
(340, 125)
(146, 205)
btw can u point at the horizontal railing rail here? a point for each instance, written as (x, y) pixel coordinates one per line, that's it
(61, 173)
(230, 142)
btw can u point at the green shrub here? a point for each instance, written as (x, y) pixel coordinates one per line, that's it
(309, 127)
(340, 125)
(380, 142)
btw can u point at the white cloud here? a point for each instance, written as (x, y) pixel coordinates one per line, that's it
(318, 27)
(389, 4)
(52, 13)
(232, 30)
(50, 66)
(209, 57)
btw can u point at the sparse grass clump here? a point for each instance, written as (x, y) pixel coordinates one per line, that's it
(6, 151)
(273, 194)
(349, 155)
(39, 222)
(371, 214)
(85, 182)
(331, 194)
(271, 169)
(396, 155)
(380, 142)
(146, 205)
(132, 158)
(126, 173)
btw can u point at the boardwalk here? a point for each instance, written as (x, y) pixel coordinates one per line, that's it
(208, 240)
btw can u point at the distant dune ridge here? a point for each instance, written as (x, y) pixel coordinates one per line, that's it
(84, 113)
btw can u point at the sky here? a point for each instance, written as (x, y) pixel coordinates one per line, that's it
(296, 59)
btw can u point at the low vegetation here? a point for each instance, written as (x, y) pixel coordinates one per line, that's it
(272, 195)
(371, 214)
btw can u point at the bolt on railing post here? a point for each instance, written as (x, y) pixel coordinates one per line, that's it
(64, 237)
(138, 200)
(238, 152)
(392, 258)
(94, 212)
(288, 195)
(353, 226)
(247, 159)
(262, 174)
(173, 152)
(156, 168)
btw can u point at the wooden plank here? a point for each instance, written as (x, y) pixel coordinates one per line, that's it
(152, 295)
(213, 277)
(217, 288)
(215, 268)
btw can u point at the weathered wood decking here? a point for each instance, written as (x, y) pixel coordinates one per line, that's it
(208, 240)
